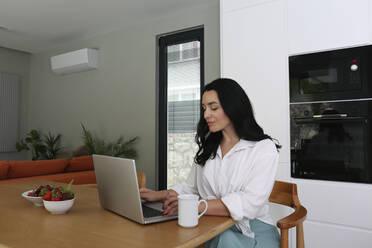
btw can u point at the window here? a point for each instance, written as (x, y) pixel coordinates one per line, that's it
(9, 111)
(181, 77)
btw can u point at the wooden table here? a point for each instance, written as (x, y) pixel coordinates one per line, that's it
(88, 225)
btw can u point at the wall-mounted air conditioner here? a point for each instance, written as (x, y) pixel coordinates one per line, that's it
(76, 61)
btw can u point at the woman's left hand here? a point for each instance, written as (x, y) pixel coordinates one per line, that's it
(170, 205)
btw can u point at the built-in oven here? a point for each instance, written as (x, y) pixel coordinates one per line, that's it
(331, 115)
(332, 141)
(332, 75)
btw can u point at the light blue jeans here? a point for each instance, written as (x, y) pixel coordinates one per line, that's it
(266, 236)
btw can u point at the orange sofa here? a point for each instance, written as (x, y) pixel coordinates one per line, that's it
(80, 169)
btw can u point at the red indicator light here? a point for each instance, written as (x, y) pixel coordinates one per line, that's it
(354, 61)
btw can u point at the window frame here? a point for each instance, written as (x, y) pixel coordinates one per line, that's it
(194, 34)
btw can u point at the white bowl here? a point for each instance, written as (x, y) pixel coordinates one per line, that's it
(37, 201)
(58, 207)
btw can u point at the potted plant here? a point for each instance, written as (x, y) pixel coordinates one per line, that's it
(117, 148)
(41, 146)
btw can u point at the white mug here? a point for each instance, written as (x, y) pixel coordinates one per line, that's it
(188, 210)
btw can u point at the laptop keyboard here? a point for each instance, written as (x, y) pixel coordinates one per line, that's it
(150, 212)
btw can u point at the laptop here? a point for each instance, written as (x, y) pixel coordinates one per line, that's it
(118, 191)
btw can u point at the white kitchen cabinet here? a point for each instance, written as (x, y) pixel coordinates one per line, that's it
(328, 235)
(338, 213)
(231, 5)
(319, 25)
(253, 52)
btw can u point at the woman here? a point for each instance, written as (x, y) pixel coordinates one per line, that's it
(235, 171)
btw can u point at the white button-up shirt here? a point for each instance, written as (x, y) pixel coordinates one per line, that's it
(243, 180)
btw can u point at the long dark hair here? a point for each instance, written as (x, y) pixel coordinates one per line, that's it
(236, 105)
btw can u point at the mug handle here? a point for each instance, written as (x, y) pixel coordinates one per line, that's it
(206, 207)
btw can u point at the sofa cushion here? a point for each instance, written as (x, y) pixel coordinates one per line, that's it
(80, 164)
(4, 166)
(35, 168)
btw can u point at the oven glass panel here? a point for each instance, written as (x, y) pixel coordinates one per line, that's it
(332, 141)
(315, 81)
(339, 78)
(331, 149)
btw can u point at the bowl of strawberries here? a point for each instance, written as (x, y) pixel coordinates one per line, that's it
(59, 200)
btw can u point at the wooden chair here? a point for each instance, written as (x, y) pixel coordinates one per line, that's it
(141, 178)
(286, 194)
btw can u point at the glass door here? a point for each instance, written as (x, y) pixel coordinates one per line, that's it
(181, 79)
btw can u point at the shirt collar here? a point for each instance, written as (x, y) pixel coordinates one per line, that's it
(241, 145)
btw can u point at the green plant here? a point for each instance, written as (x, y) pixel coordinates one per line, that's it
(41, 147)
(118, 148)
(88, 140)
(32, 142)
(121, 148)
(52, 145)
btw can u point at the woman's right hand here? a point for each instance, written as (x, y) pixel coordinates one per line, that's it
(170, 205)
(151, 195)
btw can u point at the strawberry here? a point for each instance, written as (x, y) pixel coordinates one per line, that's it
(43, 191)
(47, 196)
(48, 187)
(57, 194)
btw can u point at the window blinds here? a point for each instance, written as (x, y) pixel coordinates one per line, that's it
(9, 111)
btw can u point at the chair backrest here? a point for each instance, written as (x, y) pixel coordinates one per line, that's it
(141, 178)
(285, 193)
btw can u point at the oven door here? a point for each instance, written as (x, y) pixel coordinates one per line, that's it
(334, 147)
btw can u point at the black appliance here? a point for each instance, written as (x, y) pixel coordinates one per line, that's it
(331, 115)
(332, 75)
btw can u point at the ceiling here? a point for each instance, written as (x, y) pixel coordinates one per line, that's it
(36, 25)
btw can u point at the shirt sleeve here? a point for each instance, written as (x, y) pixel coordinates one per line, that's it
(256, 188)
(188, 186)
